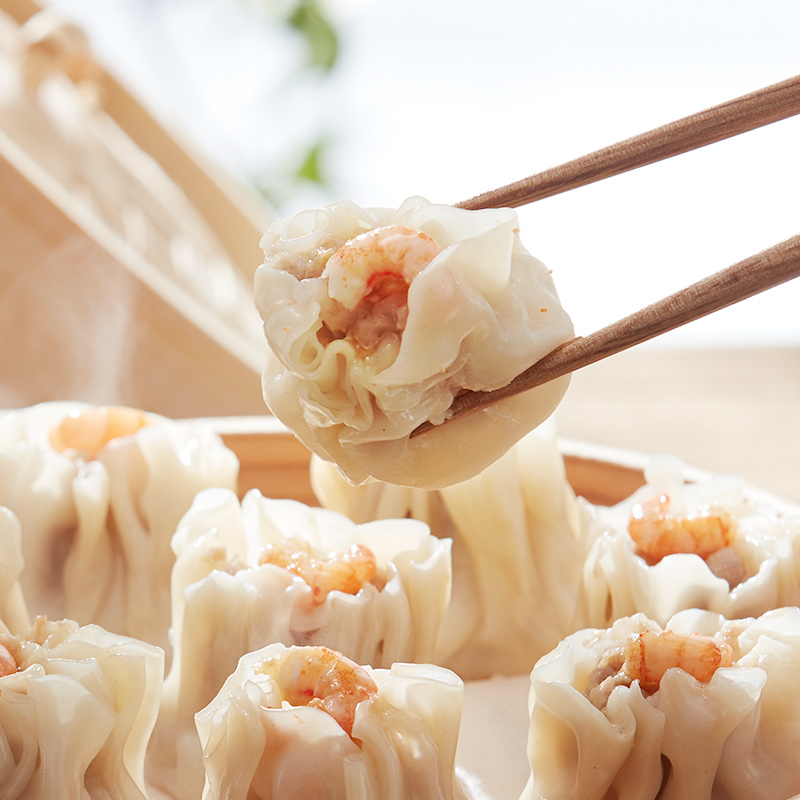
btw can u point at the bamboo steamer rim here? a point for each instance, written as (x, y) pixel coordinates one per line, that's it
(275, 462)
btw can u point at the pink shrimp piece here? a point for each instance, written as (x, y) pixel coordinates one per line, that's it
(346, 572)
(8, 664)
(322, 678)
(657, 533)
(649, 654)
(377, 264)
(85, 432)
(368, 282)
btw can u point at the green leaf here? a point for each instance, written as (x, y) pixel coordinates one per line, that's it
(310, 168)
(310, 21)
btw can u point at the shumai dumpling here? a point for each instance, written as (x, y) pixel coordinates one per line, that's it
(676, 543)
(308, 722)
(701, 708)
(377, 318)
(261, 571)
(98, 492)
(77, 706)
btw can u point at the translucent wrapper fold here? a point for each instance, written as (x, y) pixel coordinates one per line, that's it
(517, 553)
(732, 737)
(75, 720)
(13, 608)
(96, 531)
(477, 315)
(618, 581)
(227, 603)
(258, 746)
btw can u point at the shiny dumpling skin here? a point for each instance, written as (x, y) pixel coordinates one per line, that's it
(76, 716)
(258, 744)
(228, 599)
(763, 569)
(733, 736)
(478, 314)
(96, 528)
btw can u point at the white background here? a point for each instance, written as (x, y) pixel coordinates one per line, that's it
(448, 99)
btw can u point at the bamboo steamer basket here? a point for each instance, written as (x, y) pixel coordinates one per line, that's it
(93, 310)
(126, 272)
(492, 740)
(491, 751)
(273, 461)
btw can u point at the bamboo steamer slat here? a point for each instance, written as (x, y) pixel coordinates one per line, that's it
(87, 310)
(132, 346)
(271, 458)
(233, 211)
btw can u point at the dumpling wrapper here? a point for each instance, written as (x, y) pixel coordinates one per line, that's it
(481, 312)
(13, 608)
(225, 603)
(734, 736)
(517, 552)
(75, 720)
(96, 532)
(618, 582)
(257, 745)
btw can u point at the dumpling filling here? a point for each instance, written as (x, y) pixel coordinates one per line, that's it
(319, 677)
(708, 534)
(86, 430)
(347, 572)
(647, 655)
(368, 282)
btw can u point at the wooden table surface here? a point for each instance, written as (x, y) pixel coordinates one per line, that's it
(724, 410)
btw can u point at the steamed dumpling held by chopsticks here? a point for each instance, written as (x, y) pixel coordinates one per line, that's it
(377, 318)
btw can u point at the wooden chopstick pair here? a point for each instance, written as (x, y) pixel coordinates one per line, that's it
(738, 282)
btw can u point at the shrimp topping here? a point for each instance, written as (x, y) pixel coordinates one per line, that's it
(8, 664)
(344, 572)
(657, 533)
(368, 277)
(321, 678)
(649, 654)
(378, 263)
(85, 432)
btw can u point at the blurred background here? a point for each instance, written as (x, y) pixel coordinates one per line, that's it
(307, 101)
(313, 100)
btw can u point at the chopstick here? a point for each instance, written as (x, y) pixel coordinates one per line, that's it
(748, 112)
(744, 279)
